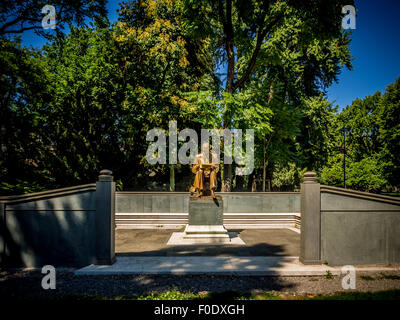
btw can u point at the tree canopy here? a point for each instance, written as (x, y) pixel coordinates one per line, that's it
(86, 99)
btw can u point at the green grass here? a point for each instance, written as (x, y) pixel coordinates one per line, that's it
(169, 295)
(389, 276)
(356, 295)
(367, 278)
(228, 295)
(232, 295)
(328, 275)
(381, 276)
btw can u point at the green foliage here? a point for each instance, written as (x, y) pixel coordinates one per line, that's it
(366, 174)
(169, 295)
(282, 55)
(329, 275)
(388, 276)
(372, 143)
(317, 136)
(83, 103)
(23, 88)
(229, 296)
(367, 278)
(86, 100)
(19, 187)
(356, 295)
(389, 132)
(287, 178)
(19, 16)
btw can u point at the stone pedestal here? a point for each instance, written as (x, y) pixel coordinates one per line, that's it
(206, 220)
(310, 236)
(105, 218)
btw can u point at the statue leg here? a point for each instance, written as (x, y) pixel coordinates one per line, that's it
(201, 182)
(198, 183)
(213, 182)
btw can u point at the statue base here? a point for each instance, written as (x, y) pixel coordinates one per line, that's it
(206, 220)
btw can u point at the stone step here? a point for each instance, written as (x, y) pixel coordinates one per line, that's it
(205, 230)
(232, 219)
(226, 215)
(245, 266)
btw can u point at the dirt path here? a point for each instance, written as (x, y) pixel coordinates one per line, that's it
(27, 284)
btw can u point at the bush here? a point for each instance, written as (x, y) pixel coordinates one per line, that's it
(287, 177)
(366, 174)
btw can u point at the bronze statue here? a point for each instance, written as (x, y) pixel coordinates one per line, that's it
(206, 169)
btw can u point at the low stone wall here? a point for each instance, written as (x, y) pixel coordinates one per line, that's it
(71, 226)
(245, 209)
(75, 226)
(359, 227)
(51, 227)
(346, 227)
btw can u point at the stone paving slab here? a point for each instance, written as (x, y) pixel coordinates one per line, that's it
(249, 266)
(257, 242)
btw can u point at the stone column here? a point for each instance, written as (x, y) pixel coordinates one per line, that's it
(310, 238)
(105, 218)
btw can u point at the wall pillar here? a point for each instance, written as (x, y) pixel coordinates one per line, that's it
(105, 218)
(310, 237)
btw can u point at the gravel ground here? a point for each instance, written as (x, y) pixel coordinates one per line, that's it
(26, 284)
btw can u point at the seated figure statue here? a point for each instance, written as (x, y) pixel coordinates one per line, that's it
(205, 167)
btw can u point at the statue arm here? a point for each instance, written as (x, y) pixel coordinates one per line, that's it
(196, 165)
(195, 168)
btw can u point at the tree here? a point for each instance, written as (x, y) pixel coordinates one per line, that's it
(87, 100)
(365, 175)
(361, 120)
(23, 87)
(19, 16)
(389, 132)
(372, 131)
(290, 43)
(172, 62)
(26, 90)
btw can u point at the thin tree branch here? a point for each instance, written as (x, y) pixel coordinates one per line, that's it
(22, 29)
(10, 23)
(260, 37)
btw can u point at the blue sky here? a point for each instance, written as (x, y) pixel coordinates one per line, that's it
(375, 47)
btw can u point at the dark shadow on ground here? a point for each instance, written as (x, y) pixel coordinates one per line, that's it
(25, 285)
(22, 285)
(258, 242)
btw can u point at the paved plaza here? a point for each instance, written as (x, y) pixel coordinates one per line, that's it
(258, 242)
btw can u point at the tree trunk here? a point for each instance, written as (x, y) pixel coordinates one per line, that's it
(228, 31)
(227, 178)
(264, 164)
(239, 183)
(254, 183)
(250, 182)
(171, 177)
